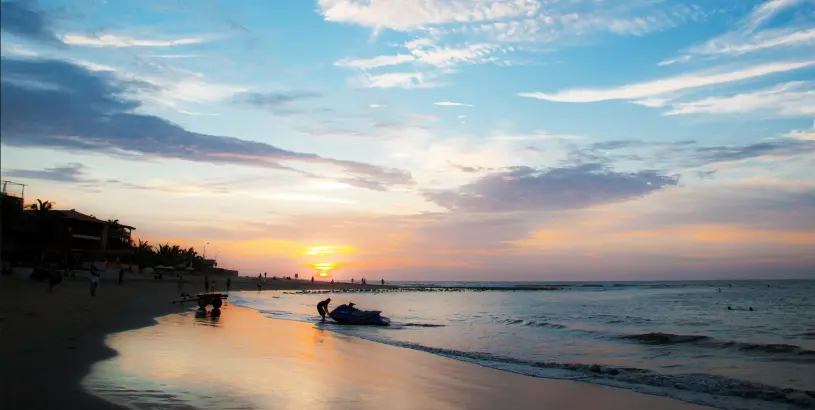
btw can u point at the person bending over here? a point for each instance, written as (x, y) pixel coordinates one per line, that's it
(322, 308)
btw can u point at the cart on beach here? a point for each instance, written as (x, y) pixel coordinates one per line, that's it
(205, 299)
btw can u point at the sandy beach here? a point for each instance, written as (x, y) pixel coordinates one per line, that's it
(50, 341)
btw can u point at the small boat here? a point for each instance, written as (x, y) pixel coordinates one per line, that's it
(351, 315)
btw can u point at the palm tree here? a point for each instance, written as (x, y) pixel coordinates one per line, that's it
(42, 206)
(53, 234)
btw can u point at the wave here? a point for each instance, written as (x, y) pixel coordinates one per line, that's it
(658, 338)
(420, 325)
(533, 323)
(707, 389)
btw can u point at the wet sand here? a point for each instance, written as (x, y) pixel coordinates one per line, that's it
(241, 359)
(50, 341)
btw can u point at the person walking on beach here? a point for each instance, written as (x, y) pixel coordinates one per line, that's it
(121, 275)
(322, 308)
(54, 277)
(228, 284)
(312, 279)
(180, 283)
(94, 281)
(383, 281)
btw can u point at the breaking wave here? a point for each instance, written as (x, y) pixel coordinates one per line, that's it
(712, 390)
(534, 323)
(658, 338)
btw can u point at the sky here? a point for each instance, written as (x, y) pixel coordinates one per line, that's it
(427, 139)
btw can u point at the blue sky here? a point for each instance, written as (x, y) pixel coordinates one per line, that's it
(481, 139)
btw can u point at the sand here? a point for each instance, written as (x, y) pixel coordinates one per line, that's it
(49, 342)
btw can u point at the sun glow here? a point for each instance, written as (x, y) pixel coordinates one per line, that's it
(328, 250)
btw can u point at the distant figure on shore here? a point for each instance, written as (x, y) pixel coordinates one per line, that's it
(265, 275)
(206, 284)
(180, 283)
(259, 286)
(228, 284)
(322, 308)
(312, 279)
(352, 280)
(94, 281)
(383, 281)
(54, 277)
(332, 281)
(751, 309)
(729, 308)
(720, 290)
(296, 275)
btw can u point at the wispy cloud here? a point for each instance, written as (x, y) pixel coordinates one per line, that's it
(806, 135)
(415, 14)
(67, 173)
(395, 80)
(751, 35)
(380, 61)
(274, 100)
(668, 85)
(788, 99)
(174, 56)
(110, 40)
(451, 104)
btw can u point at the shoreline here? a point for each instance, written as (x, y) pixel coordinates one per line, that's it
(50, 341)
(286, 358)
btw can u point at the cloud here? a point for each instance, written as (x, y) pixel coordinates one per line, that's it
(23, 19)
(767, 39)
(273, 100)
(749, 37)
(766, 11)
(532, 150)
(427, 52)
(377, 105)
(174, 56)
(413, 14)
(424, 54)
(782, 148)
(526, 188)
(395, 80)
(380, 61)
(111, 40)
(806, 135)
(668, 85)
(67, 173)
(56, 104)
(652, 102)
(451, 104)
(793, 99)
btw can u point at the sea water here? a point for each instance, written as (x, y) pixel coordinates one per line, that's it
(670, 338)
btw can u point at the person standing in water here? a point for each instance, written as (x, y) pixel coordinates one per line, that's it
(322, 308)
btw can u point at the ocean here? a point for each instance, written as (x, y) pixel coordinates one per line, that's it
(675, 339)
(670, 338)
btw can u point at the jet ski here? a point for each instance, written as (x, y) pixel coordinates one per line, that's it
(350, 315)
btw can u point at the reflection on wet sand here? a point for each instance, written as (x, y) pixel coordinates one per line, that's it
(237, 358)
